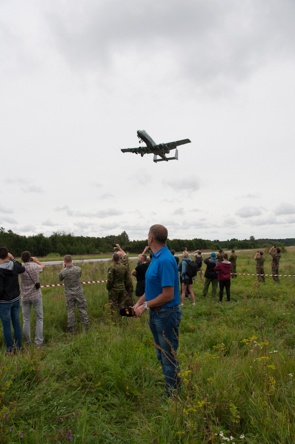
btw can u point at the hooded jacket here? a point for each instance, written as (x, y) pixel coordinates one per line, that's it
(223, 268)
(9, 286)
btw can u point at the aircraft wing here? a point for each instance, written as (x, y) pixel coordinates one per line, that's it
(172, 145)
(140, 150)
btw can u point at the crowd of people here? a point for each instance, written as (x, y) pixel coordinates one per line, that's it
(25, 293)
(159, 277)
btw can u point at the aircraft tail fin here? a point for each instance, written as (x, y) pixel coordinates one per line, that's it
(165, 159)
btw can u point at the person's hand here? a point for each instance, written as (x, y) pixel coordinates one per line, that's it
(10, 256)
(139, 310)
(136, 305)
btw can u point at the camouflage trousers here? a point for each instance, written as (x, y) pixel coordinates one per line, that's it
(275, 270)
(234, 271)
(80, 302)
(260, 274)
(117, 299)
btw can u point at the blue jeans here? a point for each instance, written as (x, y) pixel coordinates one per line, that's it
(26, 309)
(164, 325)
(9, 312)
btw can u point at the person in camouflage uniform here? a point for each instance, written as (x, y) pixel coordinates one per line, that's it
(259, 258)
(219, 255)
(118, 282)
(233, 260)
(123, 257)
(74, 293)
(275, 253)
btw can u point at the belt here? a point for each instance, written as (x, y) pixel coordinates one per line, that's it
(160, 308)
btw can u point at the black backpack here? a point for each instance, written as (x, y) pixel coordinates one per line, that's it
(199, 261)
(192, 268)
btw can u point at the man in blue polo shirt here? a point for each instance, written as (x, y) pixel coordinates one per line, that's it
(162, 300)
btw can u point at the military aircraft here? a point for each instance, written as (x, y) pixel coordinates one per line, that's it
(151, 147)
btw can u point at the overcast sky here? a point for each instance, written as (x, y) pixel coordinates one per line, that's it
(78, 79)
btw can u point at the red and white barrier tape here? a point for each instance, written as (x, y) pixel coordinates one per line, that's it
(233, 274)
(271, 275)
(83, 283)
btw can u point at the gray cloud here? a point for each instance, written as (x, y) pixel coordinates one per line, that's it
(9, 220)
(251, 196)
(230, 222)
(96, 185)
(28, 228)
(5, 210)
(267, 221)
(32, 189)
(25, 185)
(99, 214)
(106, 196)
(49, 223)
(246, 212)
(211, 41)
(178, 185)
(179, 212)
(285, 208)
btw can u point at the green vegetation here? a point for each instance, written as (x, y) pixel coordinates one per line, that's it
(62, 243)
(106, 386)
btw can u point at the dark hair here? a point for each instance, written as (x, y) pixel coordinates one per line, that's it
(159, 232)
(225, 256)
(3, 252)
(26, 256)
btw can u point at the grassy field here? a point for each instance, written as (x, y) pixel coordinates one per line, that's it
(237, 367)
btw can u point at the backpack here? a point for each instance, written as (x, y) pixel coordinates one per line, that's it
(199, 261)
(192, 268)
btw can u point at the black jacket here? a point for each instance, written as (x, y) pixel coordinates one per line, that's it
(9, 287)
(210, 273)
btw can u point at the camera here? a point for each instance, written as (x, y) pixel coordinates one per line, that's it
(127, 311)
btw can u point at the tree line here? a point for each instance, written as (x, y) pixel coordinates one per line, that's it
(62, 243)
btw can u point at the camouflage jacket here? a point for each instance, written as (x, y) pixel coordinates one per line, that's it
(275, 259)
(118, 277)
(71, 276)
(233, 258)
(260, 262)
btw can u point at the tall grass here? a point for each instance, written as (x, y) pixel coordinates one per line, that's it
(106, 386)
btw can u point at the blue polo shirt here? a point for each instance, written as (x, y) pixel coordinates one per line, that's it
(162, 272)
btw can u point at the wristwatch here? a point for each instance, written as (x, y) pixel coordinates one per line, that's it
(146, 305)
